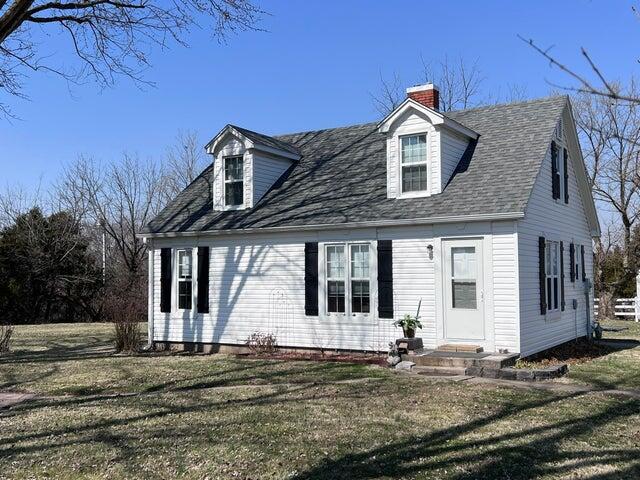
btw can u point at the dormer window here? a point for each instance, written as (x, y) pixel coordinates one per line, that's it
(233, 181)
(413, 159)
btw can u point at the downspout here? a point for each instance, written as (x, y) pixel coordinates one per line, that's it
(587, 297)
(150, 268)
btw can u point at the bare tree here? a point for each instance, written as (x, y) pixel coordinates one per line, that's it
(121, 198)
(110, 38)
(459, 83)
(389, 96)
(597, 86)
(610, 135)
(185, 160)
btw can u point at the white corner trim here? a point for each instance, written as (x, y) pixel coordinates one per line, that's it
(334, 226)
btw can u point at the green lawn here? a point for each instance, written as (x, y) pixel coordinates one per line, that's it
(197, 417)
(620, 369)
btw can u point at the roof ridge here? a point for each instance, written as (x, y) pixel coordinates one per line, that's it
(508, 104)
(331, 129)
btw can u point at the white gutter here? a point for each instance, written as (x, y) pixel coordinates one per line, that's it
(334, 226)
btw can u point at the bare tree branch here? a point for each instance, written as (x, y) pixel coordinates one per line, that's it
(110, 38)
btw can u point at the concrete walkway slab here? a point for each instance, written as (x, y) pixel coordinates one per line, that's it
(10, 399)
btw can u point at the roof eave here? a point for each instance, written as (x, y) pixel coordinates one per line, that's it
(333, 226)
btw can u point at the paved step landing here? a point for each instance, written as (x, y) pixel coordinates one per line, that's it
(439, 358)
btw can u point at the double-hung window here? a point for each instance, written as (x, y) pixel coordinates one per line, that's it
(359, 272)
(552, 268)
(185, 279)
(348, 281)
(576, 255)
(413, 163)
(335, 279)
(233, 181)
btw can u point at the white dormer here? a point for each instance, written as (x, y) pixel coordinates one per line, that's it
(423, 145)
(245, 165)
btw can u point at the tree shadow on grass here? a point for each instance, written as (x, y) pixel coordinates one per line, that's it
(531, 452)
(464, 451)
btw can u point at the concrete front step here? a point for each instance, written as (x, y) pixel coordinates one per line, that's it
(431, 358)
(456, 347)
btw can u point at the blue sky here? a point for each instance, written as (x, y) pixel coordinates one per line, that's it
(314, 67)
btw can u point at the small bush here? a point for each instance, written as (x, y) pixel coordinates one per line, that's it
(127, 336)
(5, 336)
(262, 343)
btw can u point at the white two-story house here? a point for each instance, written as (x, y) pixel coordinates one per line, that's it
(324, 238)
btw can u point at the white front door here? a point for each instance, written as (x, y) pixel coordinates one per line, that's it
(463, 290)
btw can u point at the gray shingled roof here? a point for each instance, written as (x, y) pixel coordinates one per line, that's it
(341, 177)
(267, 140)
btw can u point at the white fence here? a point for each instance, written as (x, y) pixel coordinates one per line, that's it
(629, 308)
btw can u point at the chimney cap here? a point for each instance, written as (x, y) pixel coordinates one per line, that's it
(422, 88)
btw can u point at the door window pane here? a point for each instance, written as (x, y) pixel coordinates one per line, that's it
(463, 277)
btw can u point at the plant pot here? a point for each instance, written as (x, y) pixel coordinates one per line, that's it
(409, 332)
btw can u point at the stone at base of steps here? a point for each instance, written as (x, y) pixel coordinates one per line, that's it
(507, 373)
(439, 371)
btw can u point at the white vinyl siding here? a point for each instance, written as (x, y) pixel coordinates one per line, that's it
(452, 149)
(256, 283)
(558, 221)
(266, 171)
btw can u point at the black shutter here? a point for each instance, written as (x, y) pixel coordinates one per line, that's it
(555, 176)
(311, 278)
(165, 280)
(562, 276)
(203, 279)
(584, 273)
(566, 176)
(542, 275)
(572, 259)
(385, 279)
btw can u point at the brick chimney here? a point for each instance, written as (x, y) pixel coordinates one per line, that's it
(428, 95)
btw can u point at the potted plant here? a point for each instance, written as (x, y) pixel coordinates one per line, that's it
(410, 323)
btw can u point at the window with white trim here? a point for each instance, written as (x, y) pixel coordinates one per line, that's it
(360, 296)
(233, 181)
(552, 270)
(576, 257)
(348, 285)
(185, 279)
(413, 163)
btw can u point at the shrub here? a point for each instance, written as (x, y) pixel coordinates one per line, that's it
(124, 305)
(5, 336)
(261, 343)
(127, 335)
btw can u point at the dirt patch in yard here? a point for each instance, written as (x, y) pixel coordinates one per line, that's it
(571, 353)
(360, 358)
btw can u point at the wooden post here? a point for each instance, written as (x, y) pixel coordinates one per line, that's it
(637, 302)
